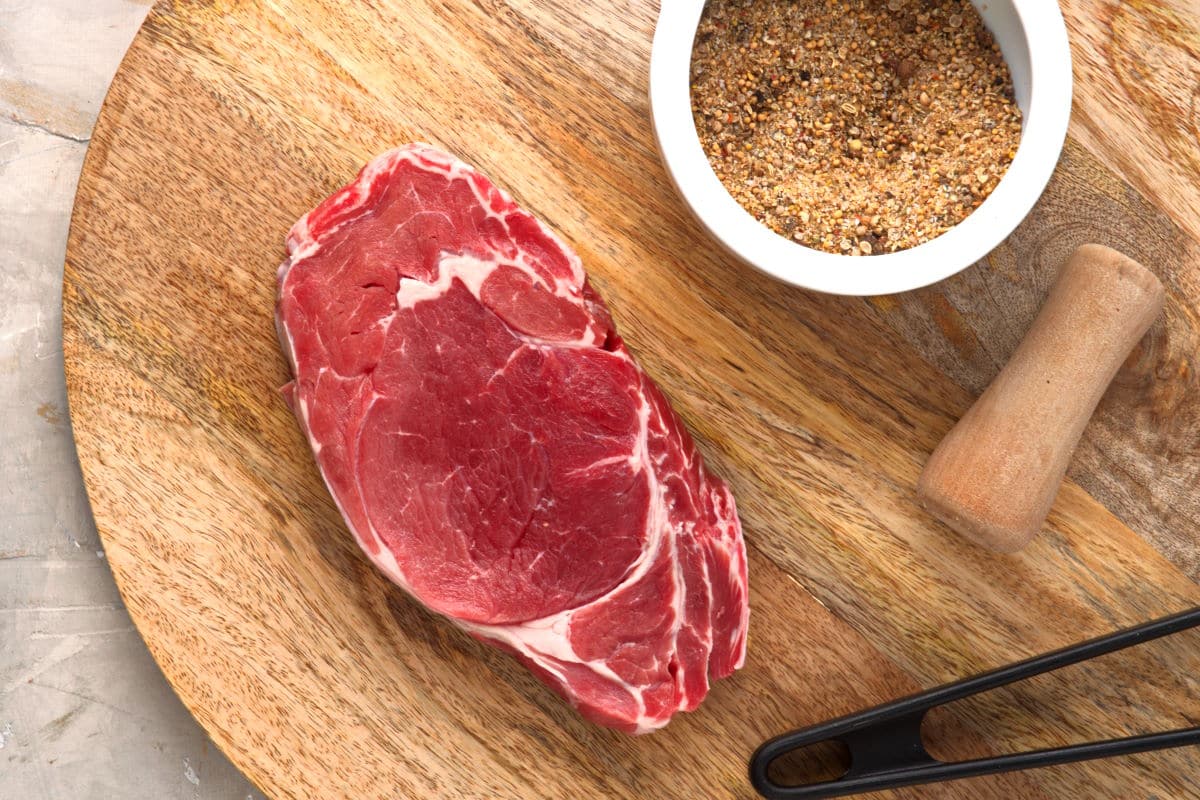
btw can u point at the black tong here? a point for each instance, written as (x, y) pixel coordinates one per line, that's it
(885, 745)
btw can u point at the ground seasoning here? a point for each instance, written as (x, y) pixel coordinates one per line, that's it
(853, 126)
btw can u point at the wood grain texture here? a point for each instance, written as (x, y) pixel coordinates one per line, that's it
(320, 679)
(1137, 96)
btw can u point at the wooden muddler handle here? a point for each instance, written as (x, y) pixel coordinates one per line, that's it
(994, 477)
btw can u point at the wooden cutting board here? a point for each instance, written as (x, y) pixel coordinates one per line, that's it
(319, 679)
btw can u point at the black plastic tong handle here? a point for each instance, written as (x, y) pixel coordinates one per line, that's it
(885, 745)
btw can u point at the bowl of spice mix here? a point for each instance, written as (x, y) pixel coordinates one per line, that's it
(860, 147)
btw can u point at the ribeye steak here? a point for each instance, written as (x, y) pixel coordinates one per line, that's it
(496, 450)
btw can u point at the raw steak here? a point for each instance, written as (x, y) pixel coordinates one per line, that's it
(494, 447)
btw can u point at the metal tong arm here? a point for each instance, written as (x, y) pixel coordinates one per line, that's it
(886, 750)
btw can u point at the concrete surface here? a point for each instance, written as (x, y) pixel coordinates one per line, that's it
(84, 711)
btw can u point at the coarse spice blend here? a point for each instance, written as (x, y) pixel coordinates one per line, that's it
(853, 126)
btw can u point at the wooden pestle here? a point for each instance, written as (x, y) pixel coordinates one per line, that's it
(994, 477)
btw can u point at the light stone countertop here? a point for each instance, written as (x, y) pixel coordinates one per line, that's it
(84, 710)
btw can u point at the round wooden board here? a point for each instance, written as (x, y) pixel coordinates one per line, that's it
(320, 679)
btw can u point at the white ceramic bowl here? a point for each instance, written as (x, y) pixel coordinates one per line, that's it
(1033, 39)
